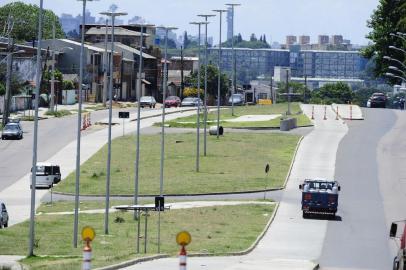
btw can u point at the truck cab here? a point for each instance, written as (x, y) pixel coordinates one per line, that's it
(399, 262)
(319, 196)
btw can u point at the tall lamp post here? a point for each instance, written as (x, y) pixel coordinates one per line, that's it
(206, 16)
(76, 215)
(199, 24)
(234, 88)
(220, 11)
(35, 143)
(138, 94)
(165, 84)
(113, 15)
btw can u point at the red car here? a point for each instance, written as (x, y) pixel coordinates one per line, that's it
(172, 101)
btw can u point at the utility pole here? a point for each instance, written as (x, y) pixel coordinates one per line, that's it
(305, 89)
(288, 91)
(271, 90)
(51, 105)
(6, 111)
(182, 83)
(105, 60)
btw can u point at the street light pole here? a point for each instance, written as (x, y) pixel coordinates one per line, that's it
(220, 11)
(105, 64)
(199, 24)
(53, 69)
(206, 16)
(113, 15)
(234, 88)
(138, 96)
(161, 175)
(35, 143)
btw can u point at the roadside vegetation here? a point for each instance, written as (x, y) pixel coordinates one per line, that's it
(234, 163)
(60, 113)
(225, 114)
(215, 230)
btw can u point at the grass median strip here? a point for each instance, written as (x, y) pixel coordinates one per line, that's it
(217, 230)
(234, 163)
(190, 121)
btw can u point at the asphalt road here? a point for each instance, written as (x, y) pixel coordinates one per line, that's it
(53, 135)
(359, 239)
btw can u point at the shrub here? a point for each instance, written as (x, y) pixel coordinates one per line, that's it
(192, 92)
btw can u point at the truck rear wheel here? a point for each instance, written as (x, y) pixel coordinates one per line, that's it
(305, 214)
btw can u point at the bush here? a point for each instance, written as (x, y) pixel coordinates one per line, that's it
(192, 92)
(60, 113)
(68, 85)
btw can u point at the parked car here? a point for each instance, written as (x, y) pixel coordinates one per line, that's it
(237, 99)
(12, 130)
(191, 102)
(47, 175)
(3, 216)
(377, 100)
(147, 101)
(172, 101)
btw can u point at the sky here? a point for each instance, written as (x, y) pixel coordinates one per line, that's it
(274, 18)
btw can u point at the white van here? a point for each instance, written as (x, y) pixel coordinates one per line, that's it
(47, 175)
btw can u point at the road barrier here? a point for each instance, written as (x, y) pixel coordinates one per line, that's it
(288, 124)
(350, 111)
(213, 130)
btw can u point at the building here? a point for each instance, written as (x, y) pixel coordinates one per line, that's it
(229, 23)
(304, 40)
(69, 23)
(323, 39)
(252, 63)
(130, 38)
(290, 40)
(337, 39)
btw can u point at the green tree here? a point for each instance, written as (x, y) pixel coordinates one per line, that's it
(362, 95)
(333, 93)
(25, 18)
(296, 88)
(2, 89)
(389, 17)
(253, 37)
(212, 81)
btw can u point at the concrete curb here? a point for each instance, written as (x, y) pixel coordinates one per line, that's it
(292, 162)
(151, 258)
(201, 194)
(334, 106)
(132, 262)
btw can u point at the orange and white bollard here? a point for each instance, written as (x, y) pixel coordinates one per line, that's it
(325, 113)
(182, 258)
(337, 114)
(87, 256)
(89, 123)
(312, 112)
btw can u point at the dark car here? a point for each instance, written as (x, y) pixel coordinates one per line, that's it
(12, 131)
(236, 99)
(377, 100)
(3, 216)
(172, 101)
(191, 102)
(147, 101)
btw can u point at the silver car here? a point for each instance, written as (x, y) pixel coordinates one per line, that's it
(3, 216)
(191, 102)
(12, 130)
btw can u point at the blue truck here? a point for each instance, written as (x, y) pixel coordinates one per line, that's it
(319, 196)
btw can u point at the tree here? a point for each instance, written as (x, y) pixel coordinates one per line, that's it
(333, 93)
(264, 39)
(212, 81)
(2, 89)
(171, 44)
(295, 87)
(260, 39)
(239, 38)
(389, 17)
(25, 18)
(253, 37)
(186, 41)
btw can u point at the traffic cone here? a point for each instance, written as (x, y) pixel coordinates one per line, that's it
(312, 112)
(351, 112)
(182, 258)
(337, 113)
(325, 113)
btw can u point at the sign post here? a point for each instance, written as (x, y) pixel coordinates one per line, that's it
(267, 167)
(123, 115)
(183, 239)
(159, 206)
(88, 234)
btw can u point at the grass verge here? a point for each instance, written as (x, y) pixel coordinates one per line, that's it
(216, 230)
(190, 121)
(60, 113)
(234, 163)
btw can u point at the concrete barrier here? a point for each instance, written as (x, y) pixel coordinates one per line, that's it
(288, 124)
(213, 130)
